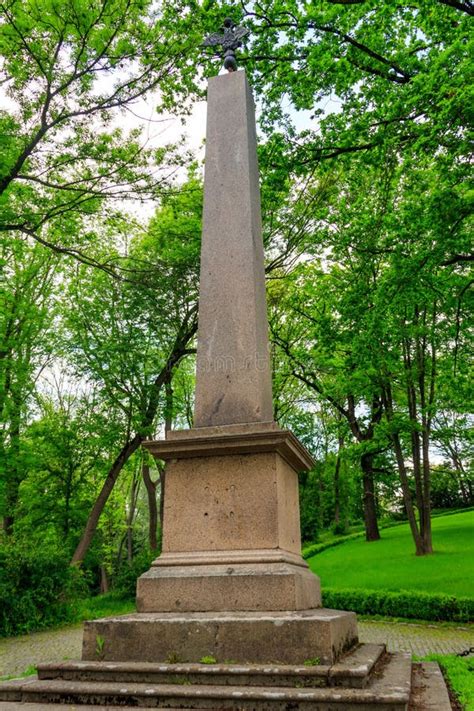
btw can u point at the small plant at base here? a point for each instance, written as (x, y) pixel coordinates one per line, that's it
(209, 659)
(29, 671)
(173, 658)
(99, 646)
(181, 681)
(312, 662)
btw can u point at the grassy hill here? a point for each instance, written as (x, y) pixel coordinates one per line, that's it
(391, 564)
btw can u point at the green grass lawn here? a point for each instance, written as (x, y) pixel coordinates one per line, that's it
(391, 564)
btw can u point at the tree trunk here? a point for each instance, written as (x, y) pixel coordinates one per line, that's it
(407, 498)
(150, 486)
(162, 495)
(370, 511)
(414, 434)
(337, 492)
(14, 475)
(131, 514)
(104, 580)
(427, 535)
(125, 453)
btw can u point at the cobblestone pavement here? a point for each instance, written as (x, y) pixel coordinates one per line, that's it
(19, 653)
(418, 639)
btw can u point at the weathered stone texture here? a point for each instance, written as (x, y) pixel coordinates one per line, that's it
(233, 368)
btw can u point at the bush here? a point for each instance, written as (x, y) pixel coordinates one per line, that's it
(125, 581)
(339, 528)
(409, 604)
(309, 551)
(37, 590)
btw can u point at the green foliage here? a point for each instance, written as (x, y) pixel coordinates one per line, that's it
(125, 580)
(29, 671)
(38, 589)
(315, 548)
(107, 605)
(314, 662)
(173, 658)
(99, 647)
(447, 487)
(65, 161)
(459, 673)
(406, 603)
(208, 659)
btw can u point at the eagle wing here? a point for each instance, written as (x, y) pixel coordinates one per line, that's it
(240, 32)
(214, 39)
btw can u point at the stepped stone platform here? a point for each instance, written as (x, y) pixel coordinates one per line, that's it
(280, 637)
(365, 679)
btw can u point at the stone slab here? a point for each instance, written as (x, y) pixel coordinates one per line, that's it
(19, 706)
(241, 439)
(353, 670)
(242, 428)
(388, 693)
(255, 637)
(356, 667)
(429, 692)
(233, 379)
(206, 588)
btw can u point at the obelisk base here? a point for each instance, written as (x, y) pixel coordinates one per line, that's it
(228, 587)
(231, 538)
(252, 637)
(231, 583)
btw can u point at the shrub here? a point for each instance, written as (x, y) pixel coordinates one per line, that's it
(125, 581)
(409, 604)
(309, 551)
(37, 590)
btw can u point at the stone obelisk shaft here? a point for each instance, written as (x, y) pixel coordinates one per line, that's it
(233, 382)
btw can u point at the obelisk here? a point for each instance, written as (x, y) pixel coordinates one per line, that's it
(230, 581)
(233, 382)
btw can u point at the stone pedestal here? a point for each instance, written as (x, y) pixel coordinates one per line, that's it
(231, 582)
(231, 538)
(240, 637)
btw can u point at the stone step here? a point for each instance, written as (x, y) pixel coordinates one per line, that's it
(389, 691)
(352, 670)
(19, 706)
(275, 637)
(429, 692)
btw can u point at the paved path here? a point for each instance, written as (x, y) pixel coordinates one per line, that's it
(418, 639)
(18, 653)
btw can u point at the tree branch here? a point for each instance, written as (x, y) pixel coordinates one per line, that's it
(462, 6)
(457, 258)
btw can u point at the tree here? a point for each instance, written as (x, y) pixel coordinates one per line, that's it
(67, 71)
(130, 336)
(65, 449)
(26, 326)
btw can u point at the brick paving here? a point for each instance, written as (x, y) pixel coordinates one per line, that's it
(421, 639)
(18, 653)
